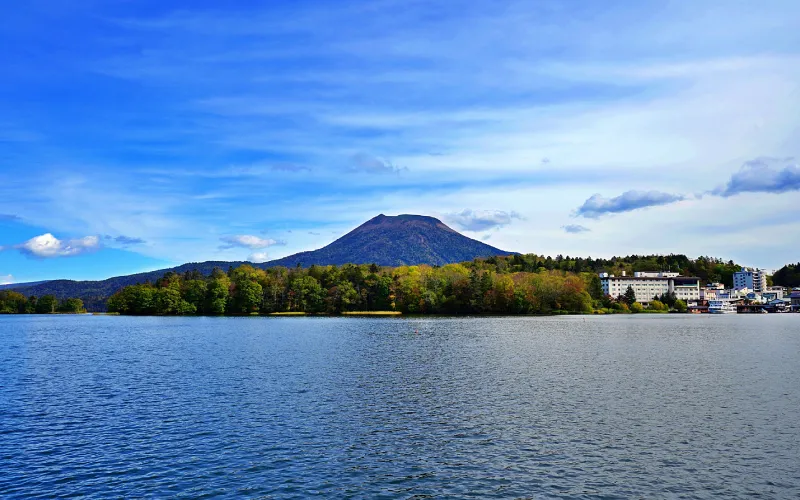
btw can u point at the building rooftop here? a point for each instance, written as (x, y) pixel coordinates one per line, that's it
(644, 278)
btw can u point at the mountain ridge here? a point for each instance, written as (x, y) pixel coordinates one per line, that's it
(384, 240)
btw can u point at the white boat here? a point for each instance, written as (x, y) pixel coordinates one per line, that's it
(720, 307)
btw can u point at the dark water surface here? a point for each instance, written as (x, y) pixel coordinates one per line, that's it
(595, 407)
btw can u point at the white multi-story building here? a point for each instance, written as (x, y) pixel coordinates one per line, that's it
(647, 285)
(752, 279)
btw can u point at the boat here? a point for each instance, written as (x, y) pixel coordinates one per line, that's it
(720, 307)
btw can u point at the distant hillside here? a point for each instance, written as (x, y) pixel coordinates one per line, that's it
(383, 240)
(95, 293)
(20, 285)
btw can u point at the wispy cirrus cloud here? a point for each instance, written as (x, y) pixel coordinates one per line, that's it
(575, 229)
(249, 241)
(48, 246)
(481, 220)
(128, 240)
(763, 175)
(10, 217)
(124, 240)
(371, 164)
(290, 167)
(597, 206)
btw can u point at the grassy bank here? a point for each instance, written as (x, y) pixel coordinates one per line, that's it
(372, 313)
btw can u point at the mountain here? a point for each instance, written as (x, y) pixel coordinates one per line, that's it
(396, 241)
(384, 240)
(20, 285)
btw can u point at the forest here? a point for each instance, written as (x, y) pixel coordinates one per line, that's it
(12, 302)
(518, 284)
(788, 276)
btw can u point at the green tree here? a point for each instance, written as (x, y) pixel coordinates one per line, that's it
(306, 295)
(341, 298)
(168, 300)
(134, 299)
(669, 299)
(73, 306)
(247, 295)
(12, 302)
(630, 296)
(30, 307)
(595, 287)
(217, 294)
(195, 292)
(47, 304)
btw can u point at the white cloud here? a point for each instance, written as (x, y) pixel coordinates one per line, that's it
(249, 241)
(6, 279)
(48, 246)
(258, 257)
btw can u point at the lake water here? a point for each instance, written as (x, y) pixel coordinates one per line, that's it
(583, 407)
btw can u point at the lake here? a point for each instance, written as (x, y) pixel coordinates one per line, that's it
(675, 406)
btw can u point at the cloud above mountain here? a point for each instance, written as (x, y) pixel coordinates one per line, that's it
(6, 279)
(249, 241)
(481, 220)
(258, 257)
(48, 246)
(763, 175)
(597, 206)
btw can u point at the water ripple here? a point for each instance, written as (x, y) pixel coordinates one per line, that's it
(600, 407)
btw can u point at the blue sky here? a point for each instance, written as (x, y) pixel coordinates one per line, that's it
(137, 135)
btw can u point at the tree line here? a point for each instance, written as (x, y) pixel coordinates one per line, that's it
(788, 276)
(469, 288)
(12, 302)
(708, 269)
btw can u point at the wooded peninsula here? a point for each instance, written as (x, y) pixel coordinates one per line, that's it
(517, 284)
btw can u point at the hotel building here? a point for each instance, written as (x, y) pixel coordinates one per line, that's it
(647, 285)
